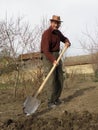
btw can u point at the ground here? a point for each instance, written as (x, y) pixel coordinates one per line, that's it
(79, 110)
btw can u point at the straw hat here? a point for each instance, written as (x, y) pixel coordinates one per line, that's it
(56, 18)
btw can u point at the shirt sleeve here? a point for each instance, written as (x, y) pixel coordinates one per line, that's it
(45, 42)
(64, 39)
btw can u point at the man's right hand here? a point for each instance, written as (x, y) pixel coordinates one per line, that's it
(55, 63)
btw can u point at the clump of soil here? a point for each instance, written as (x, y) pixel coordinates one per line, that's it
(66, 121)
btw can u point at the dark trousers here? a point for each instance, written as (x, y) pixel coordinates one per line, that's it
(55, 82)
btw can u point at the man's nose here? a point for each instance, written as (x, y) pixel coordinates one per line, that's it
(56, 25)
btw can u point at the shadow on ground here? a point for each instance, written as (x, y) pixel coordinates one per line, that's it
(68, 99)
(77, 94)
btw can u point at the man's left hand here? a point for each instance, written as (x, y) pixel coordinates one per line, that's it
(67, 44)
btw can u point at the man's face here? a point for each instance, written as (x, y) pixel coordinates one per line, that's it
(55, 25)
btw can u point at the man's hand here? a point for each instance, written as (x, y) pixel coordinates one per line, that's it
(55, 63)
(67, 44)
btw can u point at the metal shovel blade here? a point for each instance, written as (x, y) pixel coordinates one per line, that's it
(30, 105)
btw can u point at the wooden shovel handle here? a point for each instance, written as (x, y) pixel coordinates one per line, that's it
(52, 69)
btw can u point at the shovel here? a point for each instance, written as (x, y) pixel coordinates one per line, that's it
(32, 103)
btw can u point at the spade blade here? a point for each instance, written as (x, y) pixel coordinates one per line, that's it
(30, 105)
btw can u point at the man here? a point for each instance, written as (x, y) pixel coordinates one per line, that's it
(50, 47)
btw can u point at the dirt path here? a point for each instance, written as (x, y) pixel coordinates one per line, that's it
(79, 111)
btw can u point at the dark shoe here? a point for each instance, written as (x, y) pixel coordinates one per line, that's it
(58, 102)
(51, 105)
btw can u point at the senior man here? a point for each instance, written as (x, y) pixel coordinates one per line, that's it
(50, 47)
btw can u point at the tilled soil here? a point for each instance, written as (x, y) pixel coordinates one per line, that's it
(79, 111)
(67, 121)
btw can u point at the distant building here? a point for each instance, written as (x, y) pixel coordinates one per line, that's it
(84, 64)
(29, 56)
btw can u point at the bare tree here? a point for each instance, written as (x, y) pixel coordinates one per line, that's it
(17, 37)
(90, 44)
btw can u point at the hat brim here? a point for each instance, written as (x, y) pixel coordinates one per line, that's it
(56, 20)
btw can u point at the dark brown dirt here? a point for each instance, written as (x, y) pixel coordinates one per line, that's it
(78, 112)
(67, 121)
